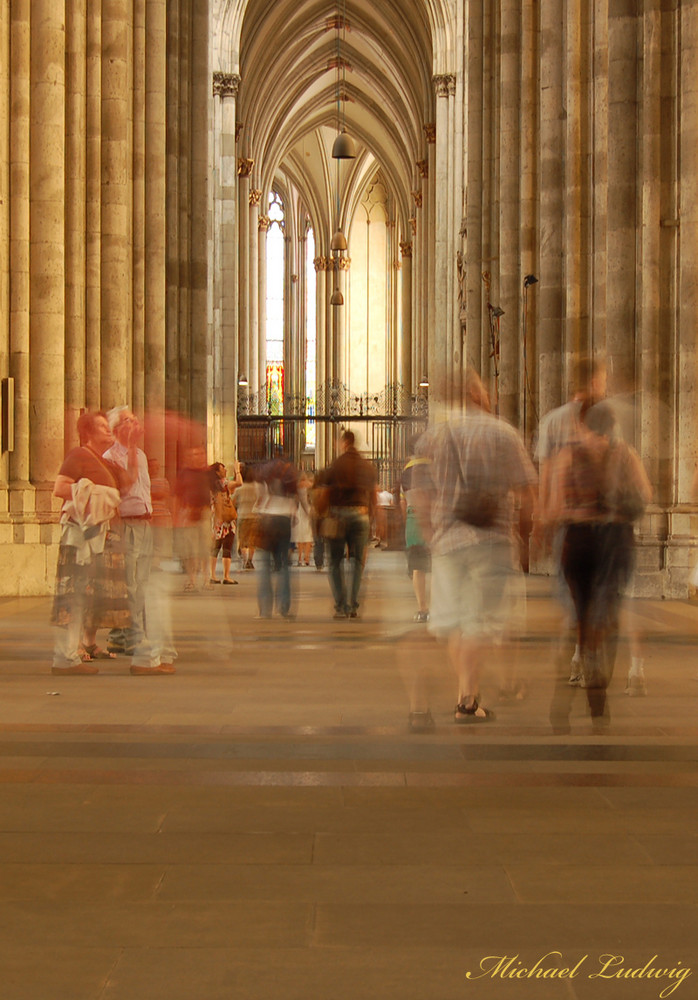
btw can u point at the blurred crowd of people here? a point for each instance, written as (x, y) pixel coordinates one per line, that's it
(470, 506)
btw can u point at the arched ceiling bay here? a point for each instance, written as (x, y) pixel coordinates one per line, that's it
(292, 97)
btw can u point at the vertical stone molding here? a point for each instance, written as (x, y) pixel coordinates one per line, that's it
(688, 244)
(155, 213)
(621, 259)
(47, 242)
(19, 236)
(551, 142)
(93, 206)
(116, 204)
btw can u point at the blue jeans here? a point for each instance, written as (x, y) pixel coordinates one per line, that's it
(355, 540)
(274, 559)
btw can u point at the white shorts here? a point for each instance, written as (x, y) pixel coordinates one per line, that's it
(477, 590)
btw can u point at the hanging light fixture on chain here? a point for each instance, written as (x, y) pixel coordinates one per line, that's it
(343, 147)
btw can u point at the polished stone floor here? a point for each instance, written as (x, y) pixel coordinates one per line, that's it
(263, 826)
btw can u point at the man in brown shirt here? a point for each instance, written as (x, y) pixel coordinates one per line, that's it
(351, 481)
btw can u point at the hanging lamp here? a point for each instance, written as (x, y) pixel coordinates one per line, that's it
(343, 147)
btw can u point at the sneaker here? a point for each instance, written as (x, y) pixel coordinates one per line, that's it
(421, 616)
(339, 614)
(576, 679)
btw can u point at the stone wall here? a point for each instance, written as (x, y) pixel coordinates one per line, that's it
(102, 237)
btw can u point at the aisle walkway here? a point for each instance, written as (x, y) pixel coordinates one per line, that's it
(262, 825)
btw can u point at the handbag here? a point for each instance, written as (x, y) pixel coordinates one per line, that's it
(224, 508)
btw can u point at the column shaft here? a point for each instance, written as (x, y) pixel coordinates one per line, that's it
(47, 238)
(75, 200)
(155, 208)
(621, 261)
(550, 295)
(19, 145)
(93, 206)
(117, 208)
(512, 389)
(687, 457)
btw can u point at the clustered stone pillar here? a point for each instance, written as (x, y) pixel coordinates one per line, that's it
(253, 258)
(223, 267)
(261, 366)
(405, 356)
(245, 166)
(47, 243)
(19, 216)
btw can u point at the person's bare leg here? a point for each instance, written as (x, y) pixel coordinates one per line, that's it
(214, 562)
(226, 568)
(419, 585)
(465, 655)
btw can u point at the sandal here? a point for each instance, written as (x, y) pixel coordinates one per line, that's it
(473, 713)
(95, 652)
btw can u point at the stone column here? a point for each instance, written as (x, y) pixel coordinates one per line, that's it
(244, 170)
(224, 270)
(600, 173)
(155, 214)
(93, 206)
(439, 356)
(117, 207)
(19, 291)
(200, 89)
(321, 352)
(255, 332)
(622, 161)
(512, 389)
(687, 457)
(528, 138)
(550, 294)
(344, 263)
(75, 200)
(5, 231)
(476, 352)
(258, 386)
(650, 170)
(577, 230)
(405, 376)
(47, 243)
(137, 387)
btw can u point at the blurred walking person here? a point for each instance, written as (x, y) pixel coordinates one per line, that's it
(597, 490)
(478, 470)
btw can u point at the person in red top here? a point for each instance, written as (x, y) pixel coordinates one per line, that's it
(91, 488)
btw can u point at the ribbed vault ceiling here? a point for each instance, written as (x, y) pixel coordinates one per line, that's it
(288, 98)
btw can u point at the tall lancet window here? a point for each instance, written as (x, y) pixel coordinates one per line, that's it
(275, 305)
(310, 340)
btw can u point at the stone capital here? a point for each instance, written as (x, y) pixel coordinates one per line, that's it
(263, 223)
(405, 248)
(344, 263)
(413, 225)
(430, 132)
(226, 84)
(255, 196)
(417, 195)
(244, 167)
(423, 168)
(319, 263)
(444, 84)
